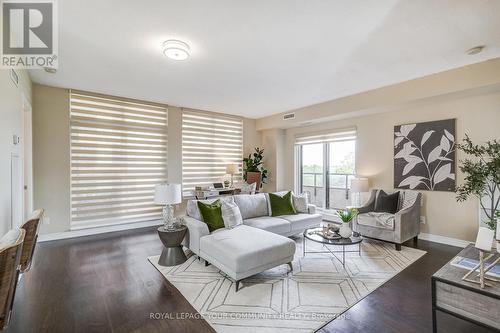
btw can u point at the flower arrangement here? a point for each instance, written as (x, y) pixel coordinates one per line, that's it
(347, 215)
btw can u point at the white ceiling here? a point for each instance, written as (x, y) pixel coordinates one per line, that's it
(256, 58)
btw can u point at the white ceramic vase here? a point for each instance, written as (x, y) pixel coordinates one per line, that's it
(345, 230)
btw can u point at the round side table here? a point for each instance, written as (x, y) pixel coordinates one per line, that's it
(172, 254)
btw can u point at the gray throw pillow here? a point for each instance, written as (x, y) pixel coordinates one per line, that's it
(387, 203)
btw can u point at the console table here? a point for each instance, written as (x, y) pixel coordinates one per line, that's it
(462, 299)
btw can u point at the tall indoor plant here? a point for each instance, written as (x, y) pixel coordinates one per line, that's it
(253, 163)
(482, 176)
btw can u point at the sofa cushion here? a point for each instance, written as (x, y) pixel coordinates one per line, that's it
(193, 211)
(251, 205)
(281, 205)
(212, 214)
(376, 220)
(301, 222)
(271, 224)
(387, 203)
(300, 202)
(244, 248)
(231, 215)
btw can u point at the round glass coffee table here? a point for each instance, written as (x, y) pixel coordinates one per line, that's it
(316, 235)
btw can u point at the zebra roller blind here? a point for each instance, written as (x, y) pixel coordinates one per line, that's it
(118, 154)
(210, 141)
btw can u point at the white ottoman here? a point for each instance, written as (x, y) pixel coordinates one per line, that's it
(245, 251)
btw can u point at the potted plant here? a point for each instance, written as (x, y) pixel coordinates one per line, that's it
(346, 215)
(482, 177)
(253, 164)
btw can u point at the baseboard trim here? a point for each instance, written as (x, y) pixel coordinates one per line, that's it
(443, 240)
(96, 231)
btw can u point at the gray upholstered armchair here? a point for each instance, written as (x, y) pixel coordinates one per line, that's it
(395, 228)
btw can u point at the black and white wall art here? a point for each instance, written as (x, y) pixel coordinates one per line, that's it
(425, 156)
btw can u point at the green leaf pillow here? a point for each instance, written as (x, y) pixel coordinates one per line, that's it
(211, 214)
(281, 205)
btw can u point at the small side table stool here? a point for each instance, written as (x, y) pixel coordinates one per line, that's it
(172, 254)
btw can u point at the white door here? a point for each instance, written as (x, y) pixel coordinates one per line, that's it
(27, 145)
(16, 176)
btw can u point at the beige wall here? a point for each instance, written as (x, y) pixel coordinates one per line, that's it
(51, 156)
(51, 153)
(11, 113)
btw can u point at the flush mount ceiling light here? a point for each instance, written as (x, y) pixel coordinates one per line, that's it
(176, 49)
(475, 50)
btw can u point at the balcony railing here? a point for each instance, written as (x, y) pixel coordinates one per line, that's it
(338, 195)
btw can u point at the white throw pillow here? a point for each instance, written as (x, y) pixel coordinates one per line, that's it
(231, 215)
(300, 202)
(248, 188)
(193, 211)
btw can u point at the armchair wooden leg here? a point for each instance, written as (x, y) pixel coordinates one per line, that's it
(398, 247)
(207, 263)
(415, 241)
(237, 285)
(291, 266)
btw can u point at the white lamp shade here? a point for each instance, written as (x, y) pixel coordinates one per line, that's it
(168, 194)
(359, 185)
(484, 239)
(232, 169)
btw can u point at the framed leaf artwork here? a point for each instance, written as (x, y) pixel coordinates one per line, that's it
(425, 156)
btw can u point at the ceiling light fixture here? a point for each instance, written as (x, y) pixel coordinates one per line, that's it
(475, 50)
(176, 49)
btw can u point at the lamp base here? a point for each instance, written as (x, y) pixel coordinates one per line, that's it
(168, 217)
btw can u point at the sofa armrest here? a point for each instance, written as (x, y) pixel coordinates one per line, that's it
(407, 221)
(196, 230)
(370, 205)
(311, 209)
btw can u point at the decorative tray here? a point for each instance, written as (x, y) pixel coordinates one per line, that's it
(329, 236)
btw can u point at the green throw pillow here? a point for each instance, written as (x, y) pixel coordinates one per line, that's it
(282, 205)
(212, 214)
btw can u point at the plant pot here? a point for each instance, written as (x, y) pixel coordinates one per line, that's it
(254, 177)
(345, 230)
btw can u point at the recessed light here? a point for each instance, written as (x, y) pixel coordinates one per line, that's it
(176, 49)
(50, 70)
(475, 50)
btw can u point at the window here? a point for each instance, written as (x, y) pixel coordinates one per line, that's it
(210, 141)
(325, 167)
(118, 155)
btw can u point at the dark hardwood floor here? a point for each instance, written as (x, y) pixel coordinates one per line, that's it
(104, 283)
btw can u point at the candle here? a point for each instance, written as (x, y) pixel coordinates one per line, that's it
(484, 239)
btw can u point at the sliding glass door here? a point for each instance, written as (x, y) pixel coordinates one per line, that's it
(325, 170)
(312, 173)
(340, 172)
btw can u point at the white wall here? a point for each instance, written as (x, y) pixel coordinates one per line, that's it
(11, 122)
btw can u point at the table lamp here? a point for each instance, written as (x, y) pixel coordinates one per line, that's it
(358, 186)
(168, 195)
(232, 169)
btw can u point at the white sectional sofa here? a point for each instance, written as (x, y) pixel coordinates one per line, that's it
(259, 244)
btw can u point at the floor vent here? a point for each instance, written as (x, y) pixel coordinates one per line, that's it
(289, 116)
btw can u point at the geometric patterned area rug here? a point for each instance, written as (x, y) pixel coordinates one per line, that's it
(318, 290)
